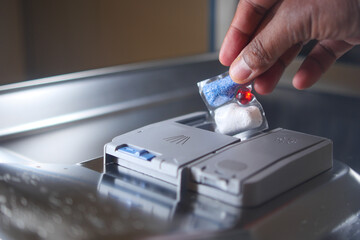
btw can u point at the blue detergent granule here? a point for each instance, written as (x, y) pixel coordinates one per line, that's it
(220, 91)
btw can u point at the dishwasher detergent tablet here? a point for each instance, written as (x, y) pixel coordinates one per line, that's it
(233, 118)
(234, 109)
(220, 91)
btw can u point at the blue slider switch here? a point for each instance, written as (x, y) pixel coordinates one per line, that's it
(142, 154)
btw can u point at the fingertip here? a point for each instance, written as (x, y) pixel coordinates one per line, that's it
(308, 74)
(223, 59)
(298, 80)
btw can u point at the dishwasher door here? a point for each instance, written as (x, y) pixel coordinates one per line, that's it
(52, 181)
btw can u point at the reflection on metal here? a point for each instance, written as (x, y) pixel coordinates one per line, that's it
(161, 201)
(168, 63)
(305, 210)
(61, 202)
(96, 112)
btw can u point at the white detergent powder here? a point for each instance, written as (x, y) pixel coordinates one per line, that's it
(233, 118)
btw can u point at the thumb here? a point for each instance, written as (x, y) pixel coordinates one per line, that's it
(272, 40)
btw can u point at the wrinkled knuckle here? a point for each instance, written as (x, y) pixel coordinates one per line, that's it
(257, 56)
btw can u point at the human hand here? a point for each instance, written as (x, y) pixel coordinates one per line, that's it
(266, 35)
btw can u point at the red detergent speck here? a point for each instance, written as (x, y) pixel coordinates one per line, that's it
(244, 96)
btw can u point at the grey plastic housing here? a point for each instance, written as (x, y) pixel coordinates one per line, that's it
(173, 143)
(241, 173)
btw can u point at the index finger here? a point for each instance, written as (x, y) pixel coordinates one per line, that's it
(247, 18)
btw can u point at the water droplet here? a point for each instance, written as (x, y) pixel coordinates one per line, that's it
(15, 179)
(33, 182)
(91, 197)
(6, 177)
(35, 177)
(57, 218)
(69, 201)
(20, 224)
(97, 222)
(53, 200)
(26, 178)
(6, 211)
(76, 230)
(23, 201)
(43, 189)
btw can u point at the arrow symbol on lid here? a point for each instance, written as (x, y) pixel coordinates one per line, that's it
(180, 139)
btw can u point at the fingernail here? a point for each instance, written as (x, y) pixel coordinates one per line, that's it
(240, 71)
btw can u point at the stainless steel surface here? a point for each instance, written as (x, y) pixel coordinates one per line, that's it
(49, 126)
(85, 112)
(56, 201)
